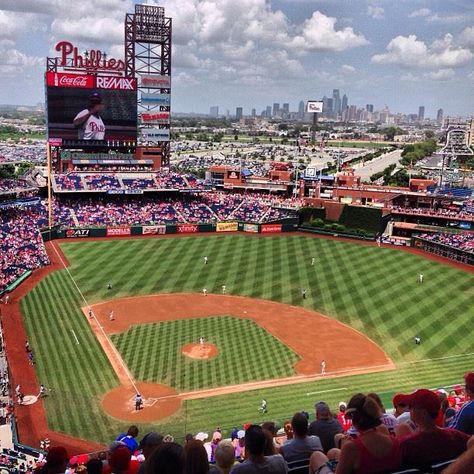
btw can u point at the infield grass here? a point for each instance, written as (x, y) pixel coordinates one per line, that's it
(375, 290)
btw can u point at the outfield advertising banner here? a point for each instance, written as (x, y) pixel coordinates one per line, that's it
(268, 228)
(251, 228)
(154, 229)
(156, 134)
(187, 228)
(227, 227)
(118, 231)
(77, 233)
(155, 99)
(155, 81)
(151, 118)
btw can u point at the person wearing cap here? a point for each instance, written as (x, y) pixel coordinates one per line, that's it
(301, 446)
(345, 422)
(463, 420)
(402, 413)
(325, 426)
(147, 445)
(256, 461)
(119, 460)
(430, 443)
(133, 464)
(89, 122)
(216, 439)
(239, 445)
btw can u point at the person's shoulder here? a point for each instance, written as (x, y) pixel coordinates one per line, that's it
(82, 113)
(454, 433)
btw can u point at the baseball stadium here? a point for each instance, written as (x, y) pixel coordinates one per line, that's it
(135, 293)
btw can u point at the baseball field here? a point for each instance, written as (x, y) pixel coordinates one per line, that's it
(373, 291)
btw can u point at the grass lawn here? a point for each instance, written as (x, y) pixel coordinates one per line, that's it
(374, 290)
(153, 353)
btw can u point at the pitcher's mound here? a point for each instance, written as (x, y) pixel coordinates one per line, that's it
(200, 351)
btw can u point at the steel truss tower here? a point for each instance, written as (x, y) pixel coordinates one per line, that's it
(148, 54)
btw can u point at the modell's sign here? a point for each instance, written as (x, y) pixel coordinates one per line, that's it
(88, 81)
(93, 60)
(157, 117)
(156, 82)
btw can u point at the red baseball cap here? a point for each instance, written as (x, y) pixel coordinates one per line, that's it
(422, 398)
(469, 379)
(397, 399)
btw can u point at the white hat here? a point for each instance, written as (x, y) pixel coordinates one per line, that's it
(342, 404)
(201, 436)
(241, 434)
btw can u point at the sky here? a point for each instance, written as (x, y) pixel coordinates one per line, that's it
(252, 53)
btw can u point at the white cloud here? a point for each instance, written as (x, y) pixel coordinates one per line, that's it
(440, 75)
(320, 34)
(420, 12)
(446, 19)
(348, 69)
(13, 61)
(376, 12)
(408, 51)
(467, 37)
(95, 30)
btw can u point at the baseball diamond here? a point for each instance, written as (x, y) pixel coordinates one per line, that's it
(373, 291)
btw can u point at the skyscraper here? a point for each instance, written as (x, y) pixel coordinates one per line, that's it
(276, 109)
(439, 116)
(214, 111)
(421, 113)
(336, 102)
(254, 112)
(301, 109)
(286, 110)
(369, 107)
(345, 103)
(268, 111)
(238, 113)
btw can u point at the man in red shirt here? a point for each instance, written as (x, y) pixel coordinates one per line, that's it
(430, 443)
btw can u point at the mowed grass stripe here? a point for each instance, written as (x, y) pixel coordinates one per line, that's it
(375, 290)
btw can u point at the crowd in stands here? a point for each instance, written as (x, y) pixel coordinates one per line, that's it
(427, 431)
(13, 185)
(23, 153)
(440, 212)
(125, 181)
(21, 245)
(462, 241)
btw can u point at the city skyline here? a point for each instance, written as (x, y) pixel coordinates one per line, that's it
(402, 55)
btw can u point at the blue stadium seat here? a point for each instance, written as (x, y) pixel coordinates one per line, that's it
(298, 467)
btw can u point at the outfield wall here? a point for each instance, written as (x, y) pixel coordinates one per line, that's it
(437, 248)
(164, 229)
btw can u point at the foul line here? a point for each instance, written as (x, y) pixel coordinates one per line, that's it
(75, 337)
(114, 349)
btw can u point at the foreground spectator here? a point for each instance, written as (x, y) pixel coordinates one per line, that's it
(148, 444)
(464, 418)
(387, 419)
(374, 451)
(325, 427)
(225, 458)
(168, 458)
(430, 443)
(56, 461)
(195, 458)
(129, 438)
(256, 462)
(465, 463)
(301, 446)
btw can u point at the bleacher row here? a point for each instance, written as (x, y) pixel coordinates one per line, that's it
(124, 181)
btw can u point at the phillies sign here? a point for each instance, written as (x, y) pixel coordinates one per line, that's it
(88, 81)
(94, 60)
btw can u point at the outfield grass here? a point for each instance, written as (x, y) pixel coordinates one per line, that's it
(375, 290)
(153, 353)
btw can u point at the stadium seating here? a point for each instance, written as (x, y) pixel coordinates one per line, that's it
(462, 241)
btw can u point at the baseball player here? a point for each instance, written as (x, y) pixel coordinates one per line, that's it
(111, 316)
(263, 406)
(323, 367)
(138, 402)
(312, 261)
(204, 291)
(420, 277)
(303, 293)
(89, 122)
(201, 340)
(109, 286)
(224, 289)
(417, 340)
(205, 260)
(42, 391)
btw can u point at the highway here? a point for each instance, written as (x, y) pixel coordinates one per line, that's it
(379, 164)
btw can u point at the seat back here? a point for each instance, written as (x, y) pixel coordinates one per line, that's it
(300, 466)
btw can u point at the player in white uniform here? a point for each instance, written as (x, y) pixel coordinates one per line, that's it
(89, 122)
(420, 277)
(323, 367)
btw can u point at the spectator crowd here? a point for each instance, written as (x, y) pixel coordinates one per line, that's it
(462, 241)
(427, 431)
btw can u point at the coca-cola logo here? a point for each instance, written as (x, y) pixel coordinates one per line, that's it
(70, 81)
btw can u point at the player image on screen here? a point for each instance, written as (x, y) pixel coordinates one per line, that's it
(89, 122)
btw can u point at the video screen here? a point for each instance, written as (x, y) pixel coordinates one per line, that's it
(91, 113)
